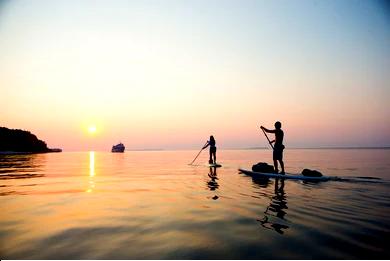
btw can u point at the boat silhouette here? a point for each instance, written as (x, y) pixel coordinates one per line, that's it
(118, 148)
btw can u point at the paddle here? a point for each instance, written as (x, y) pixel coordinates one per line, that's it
(267, 138)
(198, 154)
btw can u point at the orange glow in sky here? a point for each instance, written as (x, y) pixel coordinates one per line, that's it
(169, 75)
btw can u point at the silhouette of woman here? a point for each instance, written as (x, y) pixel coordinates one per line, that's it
(213, 150)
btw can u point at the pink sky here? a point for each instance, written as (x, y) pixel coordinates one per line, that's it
(160, 76)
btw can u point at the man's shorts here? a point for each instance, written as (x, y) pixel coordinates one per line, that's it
(278, 152)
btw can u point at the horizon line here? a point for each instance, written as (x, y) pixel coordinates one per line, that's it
(249, 148)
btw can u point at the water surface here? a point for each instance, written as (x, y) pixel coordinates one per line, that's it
(153, 205)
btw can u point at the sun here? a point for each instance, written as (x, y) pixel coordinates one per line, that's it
(92, 129)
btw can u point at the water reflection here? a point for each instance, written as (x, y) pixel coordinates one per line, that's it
(212, 183)
(274, 215)
(21, 166)
(91, 181)
(91, 163)
(150, 207)
(261, 182)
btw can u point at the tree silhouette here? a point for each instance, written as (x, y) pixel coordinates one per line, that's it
(20, 141)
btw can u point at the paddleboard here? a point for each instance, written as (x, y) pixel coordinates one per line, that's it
(285, 176)
(216, 165)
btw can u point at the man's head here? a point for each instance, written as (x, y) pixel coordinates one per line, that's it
(278, 125)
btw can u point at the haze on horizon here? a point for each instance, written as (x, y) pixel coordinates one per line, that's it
(85, 75)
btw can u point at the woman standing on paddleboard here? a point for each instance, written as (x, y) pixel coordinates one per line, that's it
(213, 150)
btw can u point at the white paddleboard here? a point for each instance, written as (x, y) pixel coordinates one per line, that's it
(285, 176)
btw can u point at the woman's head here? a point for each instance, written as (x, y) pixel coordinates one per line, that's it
(212, 138)
(278, 125)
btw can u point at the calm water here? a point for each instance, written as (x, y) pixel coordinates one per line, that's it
(148, 205)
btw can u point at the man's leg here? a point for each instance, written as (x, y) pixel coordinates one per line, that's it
(276, 165)
(282, 166)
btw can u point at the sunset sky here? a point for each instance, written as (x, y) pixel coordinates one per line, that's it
(85, 75)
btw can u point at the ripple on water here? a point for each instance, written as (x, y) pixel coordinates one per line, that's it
(143, 206)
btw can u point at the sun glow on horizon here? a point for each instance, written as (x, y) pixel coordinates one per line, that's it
(166, 75)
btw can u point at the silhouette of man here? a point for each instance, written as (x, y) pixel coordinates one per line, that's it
(278, 146)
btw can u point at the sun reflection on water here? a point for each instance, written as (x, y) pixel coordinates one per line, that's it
(91, 163)
(91, 171)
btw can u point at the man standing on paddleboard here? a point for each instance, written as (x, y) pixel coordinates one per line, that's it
(278, 146)
(213, 150)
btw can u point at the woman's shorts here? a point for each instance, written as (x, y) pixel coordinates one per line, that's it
(213, 149)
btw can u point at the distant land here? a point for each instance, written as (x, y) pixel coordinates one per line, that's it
(341, 148)
(15, 141)
(157, 149)
(269, 148)
(318, 148)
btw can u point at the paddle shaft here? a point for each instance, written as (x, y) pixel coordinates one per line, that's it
(198, 154)
(268, 139)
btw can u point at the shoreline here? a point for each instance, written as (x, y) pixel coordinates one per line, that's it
(10, 152)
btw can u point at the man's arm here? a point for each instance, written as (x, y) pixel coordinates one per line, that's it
(267, 130)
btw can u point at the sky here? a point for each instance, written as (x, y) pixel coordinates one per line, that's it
(85, 75)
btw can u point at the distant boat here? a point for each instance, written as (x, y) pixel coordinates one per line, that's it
(118, 148)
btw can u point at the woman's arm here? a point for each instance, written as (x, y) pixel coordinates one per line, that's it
(207, 144)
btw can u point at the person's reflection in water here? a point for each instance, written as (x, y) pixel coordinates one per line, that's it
(212, 184)
(261, 182)
(276, 209)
